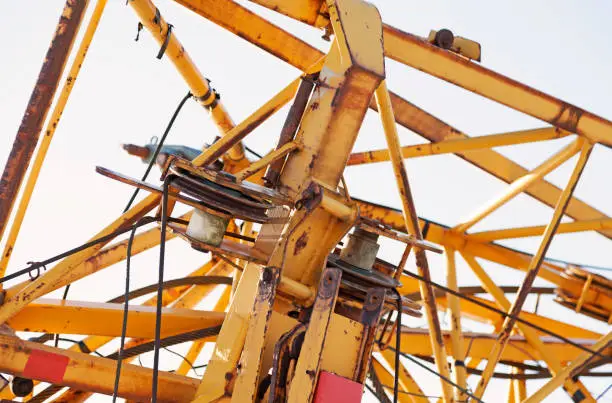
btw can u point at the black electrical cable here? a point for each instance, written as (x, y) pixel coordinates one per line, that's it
(125, 309)
(604, 392)
(372, 391)
(527, 353)
(398, 345)
(504, 314)
(194, 280)
(81, 345)
(167, 342)
(191, 280)
(541, 372)
(36, 266)
(158, 148)
(379, 390)
(253, 152)
(183, 358)
(445, 379)
(419, 394)
(228, 261)
(158, 308)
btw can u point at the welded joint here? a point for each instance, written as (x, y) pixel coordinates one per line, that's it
(211, 97)
(320, 195)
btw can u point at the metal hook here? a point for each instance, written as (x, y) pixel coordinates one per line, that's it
(35, 276)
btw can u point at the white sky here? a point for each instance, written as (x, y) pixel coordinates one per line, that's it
(125, 95)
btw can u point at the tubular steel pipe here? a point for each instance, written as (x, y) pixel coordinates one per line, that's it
(49, 132)
(459, 371)
(292, 50)
(533, 339)
(558, 379)
(294, 117)
(415, 52)
(534, 268)
(412, 225)
(519, 185)
(38, 106)
(200, 87)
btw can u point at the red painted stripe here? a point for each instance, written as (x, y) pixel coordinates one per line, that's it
(44, 366)
(333, 388)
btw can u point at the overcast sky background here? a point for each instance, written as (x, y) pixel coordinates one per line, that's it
(125, 95)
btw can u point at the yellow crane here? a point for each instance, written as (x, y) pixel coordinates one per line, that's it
(304, 307)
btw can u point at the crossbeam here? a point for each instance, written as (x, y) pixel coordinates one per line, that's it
(523, 232)
(415, 342)
(297, 53)
(75, 317)
(83, 371)
(461, 144)
(415, 52)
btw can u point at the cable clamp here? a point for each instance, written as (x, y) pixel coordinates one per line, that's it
(83, 347)
(207, 94)
(140, 27)
(35, 266)
(162, 50)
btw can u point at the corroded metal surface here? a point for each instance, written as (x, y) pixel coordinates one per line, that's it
(38, 106)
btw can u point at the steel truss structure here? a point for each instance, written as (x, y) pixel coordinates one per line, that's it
(306, 315)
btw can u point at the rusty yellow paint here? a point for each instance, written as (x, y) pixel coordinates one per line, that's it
(552, 360)
(198, 292)
(74, 317)
(266, 160)
(484, 315)
(459, 371)
(348, 76)
(196, 346)
(302, 386)
(44, 143)
(521, 184)
(411, 222)
(230, 340)
(461, 144)
(413, 51)
(62, 273)
(238, 132)
(312, 12)
(135, 382)
(522, 232)
(534, 266)
(341, 350)
(198, 84)
(415, 342)
(560, 377)
(406, 380)
(247, 379)
(495, 253)
(95, 342)
(278, 42)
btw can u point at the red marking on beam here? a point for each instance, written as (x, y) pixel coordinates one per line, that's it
(45, 366)
(333, 388)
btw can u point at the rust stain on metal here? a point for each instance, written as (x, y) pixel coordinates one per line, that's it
(290, 127)
(301, 243)
(38, 106)
(247, 129)
(568, 117)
